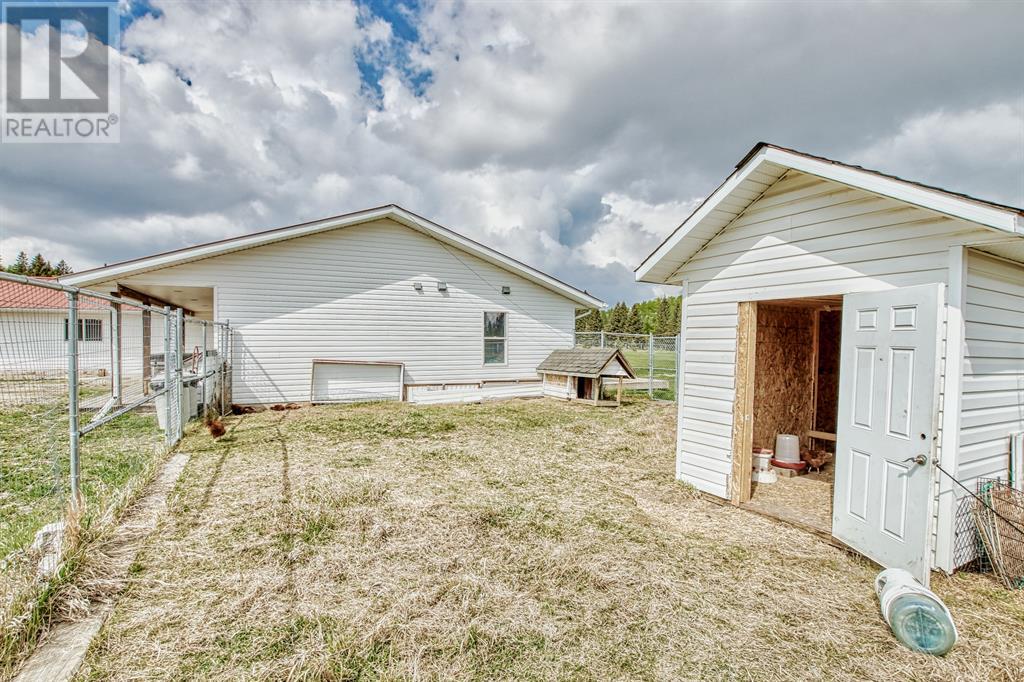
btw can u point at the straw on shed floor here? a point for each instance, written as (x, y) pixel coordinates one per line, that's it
(531, 539)
(806, 498)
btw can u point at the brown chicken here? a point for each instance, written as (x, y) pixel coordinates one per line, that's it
(816, 458)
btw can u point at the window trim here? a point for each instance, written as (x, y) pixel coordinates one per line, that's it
(97, 323)
(503, 339)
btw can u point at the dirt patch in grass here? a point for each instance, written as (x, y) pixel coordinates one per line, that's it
(528, 539)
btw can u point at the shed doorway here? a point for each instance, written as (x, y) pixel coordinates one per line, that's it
(792, 387)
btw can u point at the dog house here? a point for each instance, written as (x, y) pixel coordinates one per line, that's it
(876, 318)
(580, 374)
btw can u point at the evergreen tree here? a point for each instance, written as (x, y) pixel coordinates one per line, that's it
(39, 267)
(676, 319)
(20, 266)
(634, 322)
(62, 268)
(663, 317)
(618, 318)
(590, 323)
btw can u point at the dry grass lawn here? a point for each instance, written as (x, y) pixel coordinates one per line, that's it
(525, 540)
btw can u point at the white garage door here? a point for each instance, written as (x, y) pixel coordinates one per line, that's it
(345, 381)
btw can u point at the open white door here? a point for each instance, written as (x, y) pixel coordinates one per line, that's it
(888, 401)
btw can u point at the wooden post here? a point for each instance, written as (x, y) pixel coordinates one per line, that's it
(743, 408)
(618, 393)
(147, 346)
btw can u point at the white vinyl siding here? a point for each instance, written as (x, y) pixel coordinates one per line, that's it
(348, 294)
(804, 237)
(992, 395)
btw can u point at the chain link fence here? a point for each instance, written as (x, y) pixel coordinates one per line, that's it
(655, 359)
(94, 389)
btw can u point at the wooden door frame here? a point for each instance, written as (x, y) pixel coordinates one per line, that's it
(743, 406)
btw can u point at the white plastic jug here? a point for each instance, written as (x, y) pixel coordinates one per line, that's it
(915, 614)
(787, 448)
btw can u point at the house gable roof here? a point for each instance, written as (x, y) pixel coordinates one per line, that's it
(766, 163)
(585, 362)
(25, 297)
(391, 211)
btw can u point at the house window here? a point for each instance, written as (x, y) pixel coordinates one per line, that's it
(494, 338)
(88, 330)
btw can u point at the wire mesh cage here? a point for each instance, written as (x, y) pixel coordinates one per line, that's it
(999, 517)
(92, 393)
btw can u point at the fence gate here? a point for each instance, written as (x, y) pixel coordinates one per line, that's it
(94, 389)
(655, 359)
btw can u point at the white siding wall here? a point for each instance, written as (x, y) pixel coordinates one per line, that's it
(992, 396)
(804, 237)
(348, 295)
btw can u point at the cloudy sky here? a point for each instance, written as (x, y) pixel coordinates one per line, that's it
(572, 136)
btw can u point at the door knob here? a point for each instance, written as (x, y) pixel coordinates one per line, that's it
(919, 460)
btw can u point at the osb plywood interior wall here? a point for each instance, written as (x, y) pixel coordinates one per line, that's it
(829, 329)
(784, 369)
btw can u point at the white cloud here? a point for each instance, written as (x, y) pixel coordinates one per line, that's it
(974, 151)
(572, 136)
(632, 229)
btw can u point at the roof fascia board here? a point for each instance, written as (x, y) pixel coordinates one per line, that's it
(683, 231)
(395, 213)
(1006, 221)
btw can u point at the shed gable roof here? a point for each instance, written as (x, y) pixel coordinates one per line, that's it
(393, 212)
(766, 163)
(587, 362)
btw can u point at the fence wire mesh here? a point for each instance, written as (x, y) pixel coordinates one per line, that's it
(654, 359)
(91, 396)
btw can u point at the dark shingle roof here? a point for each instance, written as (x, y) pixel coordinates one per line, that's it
(582, 361)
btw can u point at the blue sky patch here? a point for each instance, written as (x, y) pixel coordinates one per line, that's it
(374, 59)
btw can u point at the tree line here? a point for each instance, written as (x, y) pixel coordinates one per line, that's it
(37, 266)
(658, 316)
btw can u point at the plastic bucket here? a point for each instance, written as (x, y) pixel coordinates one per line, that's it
(160, 402)
(787, 448)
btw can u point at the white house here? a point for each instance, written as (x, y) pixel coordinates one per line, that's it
(839, 303)
(380, 303)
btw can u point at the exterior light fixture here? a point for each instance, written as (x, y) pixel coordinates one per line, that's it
(506, 290)
(417, 286)
(442, 286)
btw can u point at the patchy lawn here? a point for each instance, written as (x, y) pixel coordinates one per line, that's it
(528, 539)
(115, 460)
(35, 464)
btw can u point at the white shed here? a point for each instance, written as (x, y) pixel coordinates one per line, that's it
(381, 303)
(843, 305)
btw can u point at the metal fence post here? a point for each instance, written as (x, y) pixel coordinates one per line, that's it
(650, 364)
(115, 354)
(205, 406)
(168, 394)
(72, 334)
(602, 338)
(179, 367)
